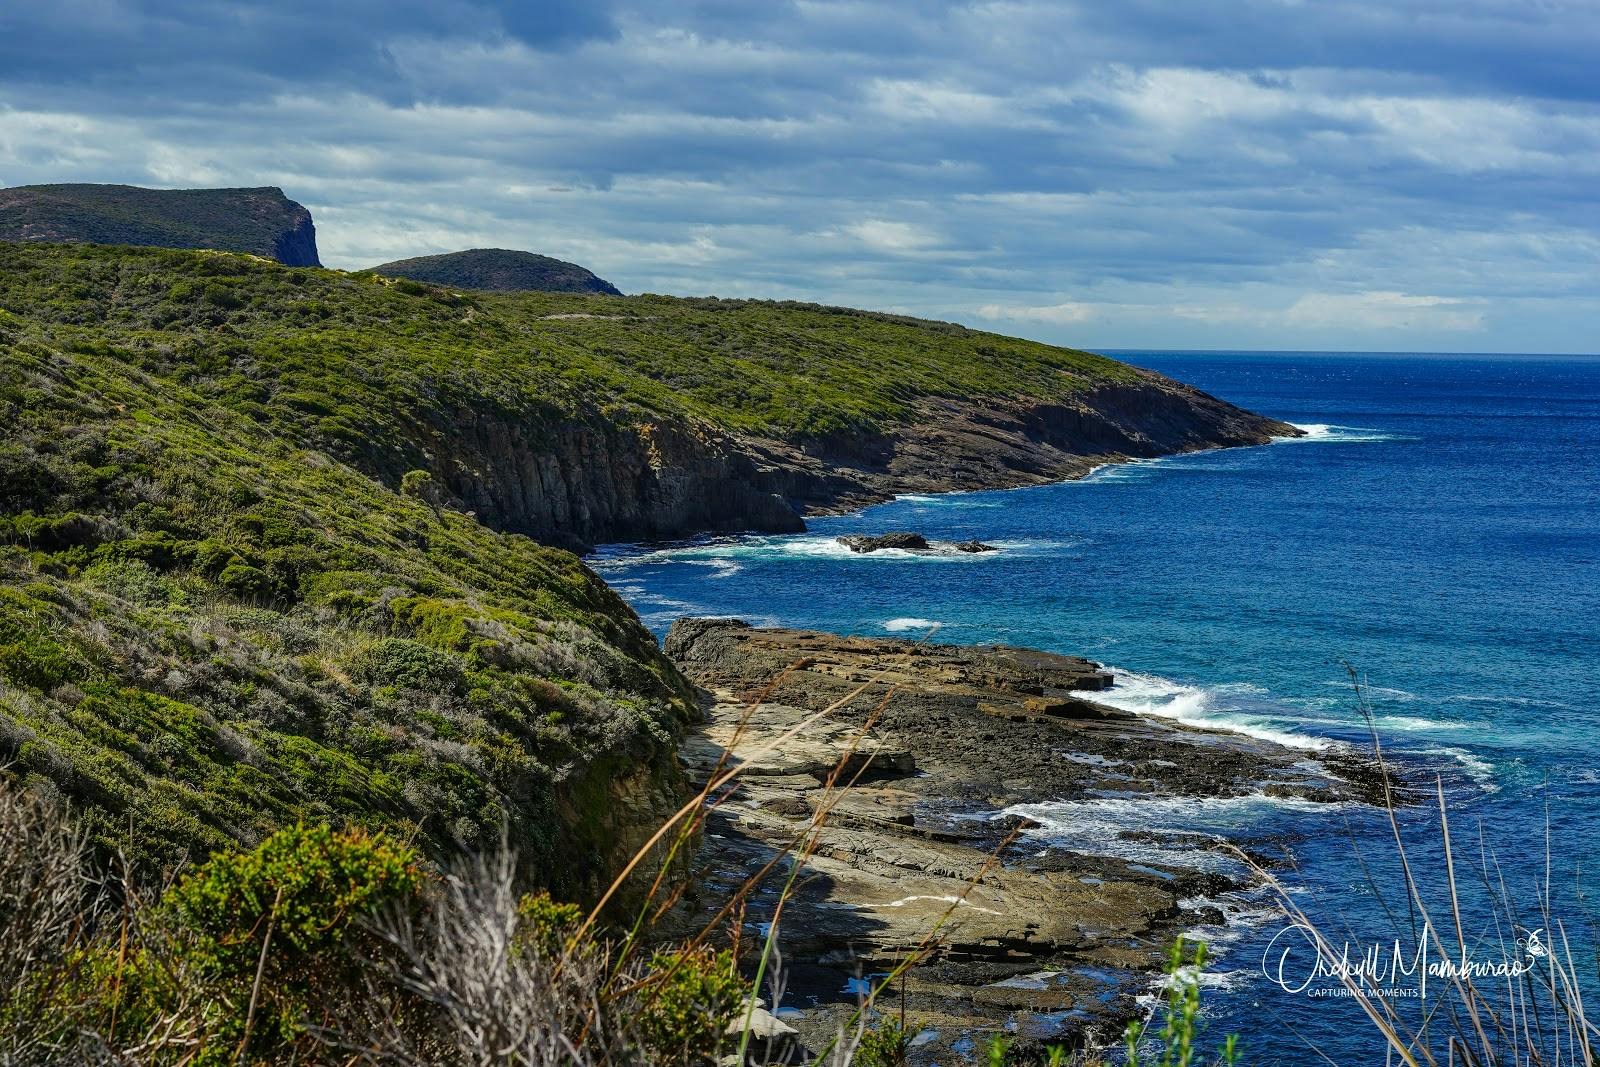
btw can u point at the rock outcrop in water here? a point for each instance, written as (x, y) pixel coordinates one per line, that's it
(906, 541)
(1054, 938)
(903, 540)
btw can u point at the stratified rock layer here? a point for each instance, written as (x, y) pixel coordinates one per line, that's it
(592, 481)
(900, 745)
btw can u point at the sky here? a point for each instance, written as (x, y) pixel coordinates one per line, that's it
(1414, 175)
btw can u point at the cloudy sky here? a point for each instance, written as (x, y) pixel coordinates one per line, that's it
(1372, 174)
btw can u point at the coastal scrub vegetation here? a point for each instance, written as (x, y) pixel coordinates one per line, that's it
(323, 946)
(352, 362)
(210, 631)
(230, 598)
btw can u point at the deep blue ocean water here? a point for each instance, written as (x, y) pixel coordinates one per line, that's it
(1439, 530)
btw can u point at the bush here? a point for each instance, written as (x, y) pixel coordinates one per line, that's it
(693, 996)
(286, 908)
(544, 924)
(310, 883)
(885, 1045)
(35, 662)
(245, 581)
(131, 579)
(409, 665)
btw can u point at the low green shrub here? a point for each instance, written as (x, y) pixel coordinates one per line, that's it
(271, 926)
(693, 995)
(408, 664)
(883, 1045)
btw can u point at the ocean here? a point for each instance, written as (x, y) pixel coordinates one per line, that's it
(1437, 532)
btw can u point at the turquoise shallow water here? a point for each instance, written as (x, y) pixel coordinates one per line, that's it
(1439, 530)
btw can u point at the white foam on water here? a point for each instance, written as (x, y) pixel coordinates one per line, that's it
(656, 600)
(1476, 767)
(1329, 433)
(727, 555)
(1399, 696)
(1417, 724)
(1095, 826)
(895, 626)
(1193, 705)
(1521, 702)
(1399, 724)
(1133, 470)
(946, 500)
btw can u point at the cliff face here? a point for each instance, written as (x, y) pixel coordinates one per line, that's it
(262, 222)
(582, 419)
(585, 482)
(297, 245)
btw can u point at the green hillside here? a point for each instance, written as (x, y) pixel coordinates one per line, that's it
(225, 606)
(321, 354)
(499, 270)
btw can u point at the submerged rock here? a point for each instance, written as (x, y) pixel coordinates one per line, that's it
(973, 546)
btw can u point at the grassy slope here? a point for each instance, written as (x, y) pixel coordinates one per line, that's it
(212, 622)
(269, 340)
(207, 630)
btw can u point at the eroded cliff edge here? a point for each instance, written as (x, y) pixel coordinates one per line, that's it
(586, 481)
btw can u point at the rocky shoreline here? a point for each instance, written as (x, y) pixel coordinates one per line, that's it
(935, 742)
(588, 481)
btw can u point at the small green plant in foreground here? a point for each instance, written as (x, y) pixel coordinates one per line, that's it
(1180, 1018)
(885, 1045)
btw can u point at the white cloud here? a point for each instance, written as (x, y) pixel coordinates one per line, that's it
(1382, 310)
(1410, 172)
(1054, 314)
(893, 238)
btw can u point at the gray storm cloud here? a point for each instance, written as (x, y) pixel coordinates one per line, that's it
(1402, 175)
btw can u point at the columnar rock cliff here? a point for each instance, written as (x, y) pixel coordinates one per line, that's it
(587, 481)
(580, 419)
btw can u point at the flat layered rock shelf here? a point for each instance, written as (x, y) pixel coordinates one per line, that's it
(925, 748)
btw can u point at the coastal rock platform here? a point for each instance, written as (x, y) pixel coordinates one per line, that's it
(894, 763)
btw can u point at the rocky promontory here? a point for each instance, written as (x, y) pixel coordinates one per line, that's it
(582, 418)
(929, 746)
(262, 222)
(589, 480)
